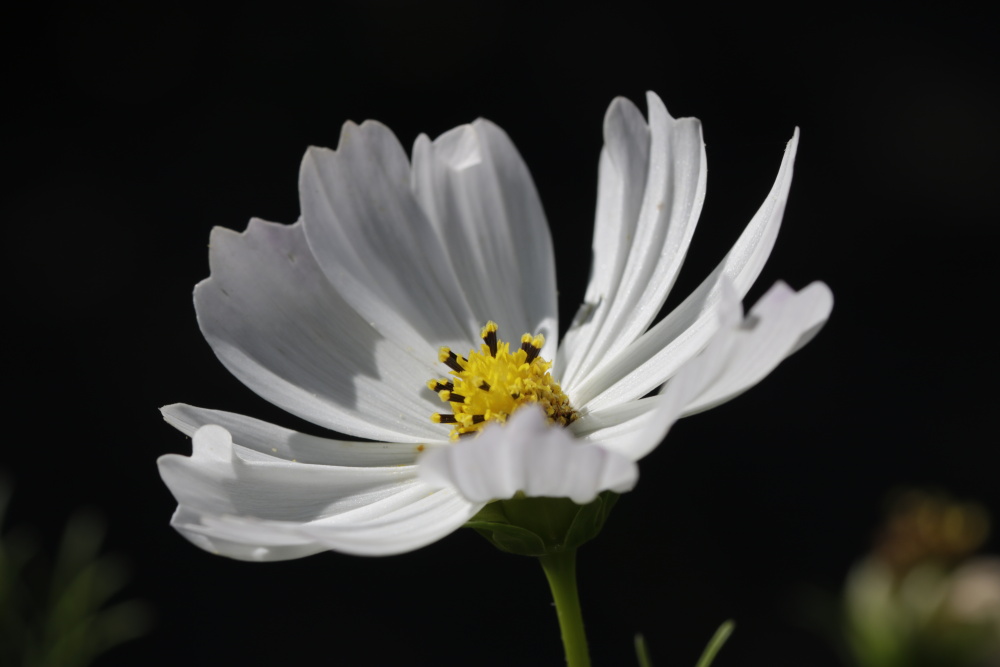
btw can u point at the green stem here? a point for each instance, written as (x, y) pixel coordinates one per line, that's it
(560, 570)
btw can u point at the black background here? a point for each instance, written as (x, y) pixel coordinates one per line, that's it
(131, 131)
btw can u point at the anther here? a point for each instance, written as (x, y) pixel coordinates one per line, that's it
(532, 346)
(437, 386)
(452, 397)
(450, 359)
(485, 386)
(439, 418)
(489, 335)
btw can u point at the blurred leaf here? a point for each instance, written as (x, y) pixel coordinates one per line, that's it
(55, 612)
(642, 651)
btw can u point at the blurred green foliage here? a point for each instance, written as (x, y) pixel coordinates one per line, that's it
(922, 596)
(57, 609)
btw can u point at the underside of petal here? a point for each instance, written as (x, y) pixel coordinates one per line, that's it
(234, 501)
(528, 455)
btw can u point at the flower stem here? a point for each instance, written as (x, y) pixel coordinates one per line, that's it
(560, 570)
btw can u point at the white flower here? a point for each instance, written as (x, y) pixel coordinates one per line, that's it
(339, 319)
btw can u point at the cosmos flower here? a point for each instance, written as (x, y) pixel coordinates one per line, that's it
(383, 314)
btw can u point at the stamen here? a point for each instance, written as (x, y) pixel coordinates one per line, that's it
(493, 382)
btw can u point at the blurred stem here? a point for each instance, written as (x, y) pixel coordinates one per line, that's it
(642, 652)
(560, 570)
(715, 644)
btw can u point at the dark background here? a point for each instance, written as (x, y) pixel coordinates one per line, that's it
(132, 131)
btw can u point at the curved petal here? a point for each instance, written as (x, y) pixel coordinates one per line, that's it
(277, 324)
(778, 321)
(478, 194)
(245, 506)
(221, 478)
(635, 428)
(656, 355)
(273, 441)
(431, 515)
(740, 354)
(376, 245)
(530, 455)
(651, 191)
(272, 546)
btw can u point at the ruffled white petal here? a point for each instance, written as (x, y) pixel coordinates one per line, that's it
(478, 195)
(279, 326)
(651, 191)
(237, 503)
(376, 245)
(656, 355)
(530, 455)
(268, 440)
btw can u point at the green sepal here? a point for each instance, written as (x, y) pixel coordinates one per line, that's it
(540, 526)
(590, 519)
(511, 539)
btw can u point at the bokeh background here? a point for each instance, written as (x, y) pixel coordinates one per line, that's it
(132, 130)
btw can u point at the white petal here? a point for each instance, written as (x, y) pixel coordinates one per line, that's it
(740, 354)
(243, 506)
(282, 443)
(428, 518)
(278, 325)
(273, 546)
(779, 321)
(418, 517)
(219, 477)
(635, 428)
(656, 355)
(376, 245)
(651, 191)
(478, 194)
(530, 455)
(622, 170)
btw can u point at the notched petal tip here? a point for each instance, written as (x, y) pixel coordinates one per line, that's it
(460, 147)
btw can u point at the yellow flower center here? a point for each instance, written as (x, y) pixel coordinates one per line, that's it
(490, 384)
